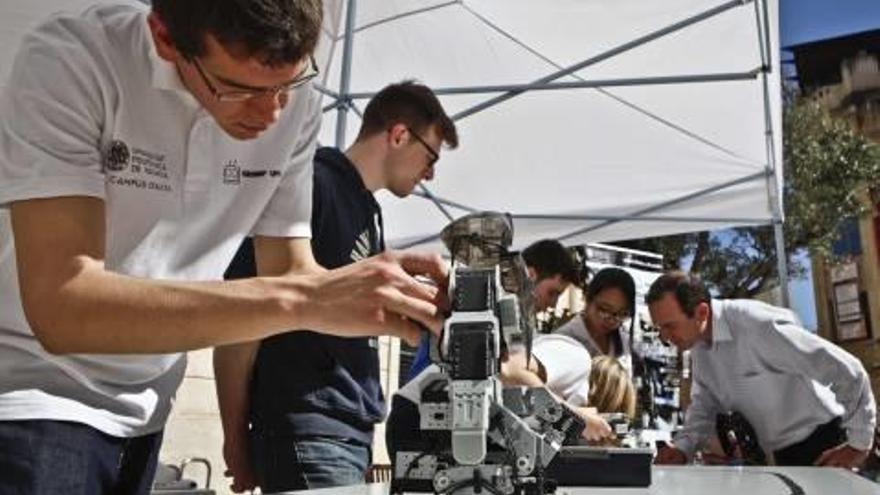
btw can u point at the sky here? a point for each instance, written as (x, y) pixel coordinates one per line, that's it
(801, 21)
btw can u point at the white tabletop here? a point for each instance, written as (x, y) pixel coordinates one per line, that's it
(703, 480)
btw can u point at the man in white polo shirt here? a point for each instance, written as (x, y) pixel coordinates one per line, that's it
(137, 149)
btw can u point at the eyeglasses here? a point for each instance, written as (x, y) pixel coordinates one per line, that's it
(238, 95)
(433, 154)
(608, 314)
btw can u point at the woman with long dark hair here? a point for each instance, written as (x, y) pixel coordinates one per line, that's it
(610, 297)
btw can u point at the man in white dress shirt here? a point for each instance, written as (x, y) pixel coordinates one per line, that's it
(809, 402)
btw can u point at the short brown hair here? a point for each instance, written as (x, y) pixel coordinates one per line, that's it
(277, 32)
(688, 289)
(411, 104)
(549, 258)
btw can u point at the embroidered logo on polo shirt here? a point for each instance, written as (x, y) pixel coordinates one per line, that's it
(252, 174)
(134, 167)
(232, 173)
(117, 156)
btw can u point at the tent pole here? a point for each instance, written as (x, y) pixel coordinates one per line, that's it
(406, 14)
(326, 92)
(608, 54)
(445, 202)
(525, 46)
(781, 263)
(773, 194)
(585, 84)
(428, 194)
(644, 218)
(345, 78)
(606, 220)
(672, 202)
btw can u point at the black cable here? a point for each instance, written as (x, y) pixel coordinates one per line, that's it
(434, 451)
(439, 344)
(414, 463)
(792, 485)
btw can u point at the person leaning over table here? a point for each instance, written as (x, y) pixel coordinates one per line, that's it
(610, 298)
(138, 146)
(299, 409)
(808, 400)
(558, 362)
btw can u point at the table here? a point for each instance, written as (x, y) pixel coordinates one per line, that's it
(703, 480)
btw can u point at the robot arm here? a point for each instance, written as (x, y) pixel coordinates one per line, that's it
(476, 434)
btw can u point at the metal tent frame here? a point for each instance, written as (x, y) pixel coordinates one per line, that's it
(344, 102)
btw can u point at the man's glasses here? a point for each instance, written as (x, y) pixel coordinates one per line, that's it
(433, 154)
(238, 95)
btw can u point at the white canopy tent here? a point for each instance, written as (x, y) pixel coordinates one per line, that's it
(587, 120)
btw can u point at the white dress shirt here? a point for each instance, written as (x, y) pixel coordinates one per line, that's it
(785, 380)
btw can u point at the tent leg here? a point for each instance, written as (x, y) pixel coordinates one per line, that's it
(345, 77)
(781, 263)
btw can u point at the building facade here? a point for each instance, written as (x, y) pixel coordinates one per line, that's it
(843, 76)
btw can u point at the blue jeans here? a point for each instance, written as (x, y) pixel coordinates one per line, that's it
(44, 457)
(284, 462)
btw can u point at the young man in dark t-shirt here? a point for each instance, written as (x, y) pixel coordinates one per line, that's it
(298, 409)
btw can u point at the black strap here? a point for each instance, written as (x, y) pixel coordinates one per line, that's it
(377, 234)
(795, 488)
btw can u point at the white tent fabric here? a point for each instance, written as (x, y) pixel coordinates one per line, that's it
(679, 129)
(611, 161)
(17, 17)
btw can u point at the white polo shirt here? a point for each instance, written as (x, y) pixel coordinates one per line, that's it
(91, 110)
(567, 365)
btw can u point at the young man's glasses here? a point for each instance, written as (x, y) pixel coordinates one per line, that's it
(308, 73)
(434, 156)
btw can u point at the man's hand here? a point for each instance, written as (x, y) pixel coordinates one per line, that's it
(670, 455)
(238, 466)
(713, 454)
(843, 456)
(378, 296)
(597, 429)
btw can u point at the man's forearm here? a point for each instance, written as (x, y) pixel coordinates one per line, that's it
(233, 369)
(699, 420)
(861, 416)
(101, 312)
(521, 377)
(515, 371)
(74, 305)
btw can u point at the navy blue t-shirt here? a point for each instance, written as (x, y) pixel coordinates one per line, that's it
(311, 384)
(421, 360)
